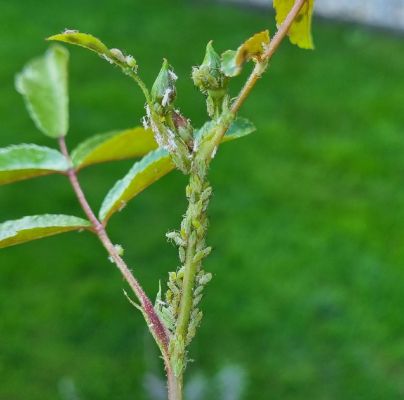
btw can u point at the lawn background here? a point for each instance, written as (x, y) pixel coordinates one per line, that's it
(307, 217)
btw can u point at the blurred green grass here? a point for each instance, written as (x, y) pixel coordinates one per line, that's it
(307, 215)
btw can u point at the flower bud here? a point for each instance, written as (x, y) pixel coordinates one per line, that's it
(163, 90)
(212, 61)
(208, 75)
(183, 127)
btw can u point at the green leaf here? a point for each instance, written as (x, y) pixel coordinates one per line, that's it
(300, 30)
(154, 166)
(252, 48)
(229, 65)
(83, 40)
(239, 128)
(148, 170)
(29, 160)
(116, 145)
(90, 42)
(37, 227)
(43, 84)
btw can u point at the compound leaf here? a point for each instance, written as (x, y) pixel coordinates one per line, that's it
(25, 161)
(116, 145)
(43, 84)
(37, 227)
(300, 30)
(148, 170)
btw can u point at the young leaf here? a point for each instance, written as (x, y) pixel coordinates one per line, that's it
(239, 128)
(229, 65)
(37, 227)
(29, 160)
(43, 84)
(116, 145)
(82, 39)
(300, 30)
(233, 61)
(90, 42)
(143, 173)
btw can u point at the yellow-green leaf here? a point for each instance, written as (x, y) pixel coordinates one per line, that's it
(144, 172)
(90, 42)
(300, 30)
(85, 40)
(116, 145)
(37, 227)
(25, 161)
(43, 84)
(252, 48)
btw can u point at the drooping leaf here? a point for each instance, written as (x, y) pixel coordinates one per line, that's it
(116, 145)
(43, 84)
(300, 30)
(25, 161)
(252, 48)
(154, 166)
(37, 227)
(143, 173)
(90, 42)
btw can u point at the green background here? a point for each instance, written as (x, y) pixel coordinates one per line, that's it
(307, 216)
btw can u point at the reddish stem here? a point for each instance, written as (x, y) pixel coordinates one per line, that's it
(155, 325)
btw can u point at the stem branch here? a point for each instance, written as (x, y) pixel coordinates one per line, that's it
(273, 45)
(155, 325)
(261, 66)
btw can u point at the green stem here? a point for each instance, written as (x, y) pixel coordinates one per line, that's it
(195, 217)
(187, 288)
(141, 85)
(193, 232)
(174, 386)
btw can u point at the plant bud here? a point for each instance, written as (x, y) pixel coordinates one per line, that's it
(208, 75)
(163, 90)
(183, 126)
(212, 61)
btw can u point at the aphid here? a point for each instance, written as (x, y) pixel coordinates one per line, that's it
(70, 31)
(130, 61)
(204, 278)
(214, 152)
(118, 55)
(173, 76)
(145, 123)
(166, 97)
(119, 249)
